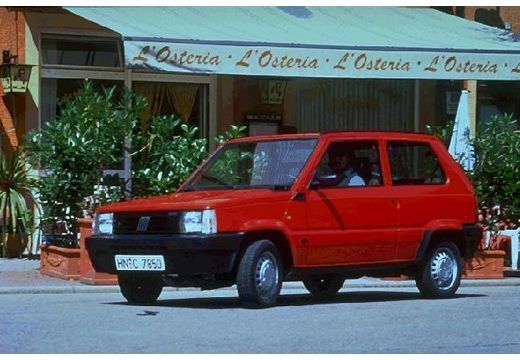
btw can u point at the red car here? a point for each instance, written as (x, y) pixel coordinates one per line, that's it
(317, 208)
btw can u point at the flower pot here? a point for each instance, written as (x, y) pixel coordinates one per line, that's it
(88, 275)
(485, 264)
(59, 262)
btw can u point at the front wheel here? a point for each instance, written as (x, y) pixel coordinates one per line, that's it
(324, 287)
(439, 276)
(140, 289)
(259, 277)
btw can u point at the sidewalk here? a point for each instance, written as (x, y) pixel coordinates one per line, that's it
(22, 276)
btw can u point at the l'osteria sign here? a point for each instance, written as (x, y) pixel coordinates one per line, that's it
(276, 61)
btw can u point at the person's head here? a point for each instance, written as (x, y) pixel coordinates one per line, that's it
(338, 159)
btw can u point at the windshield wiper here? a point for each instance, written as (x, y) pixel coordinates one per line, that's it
(215, 179)
(269, 187)
(280, 187)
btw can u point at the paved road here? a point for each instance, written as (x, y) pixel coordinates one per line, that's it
(479, 320)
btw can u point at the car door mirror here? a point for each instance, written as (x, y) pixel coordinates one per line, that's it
(324, 181)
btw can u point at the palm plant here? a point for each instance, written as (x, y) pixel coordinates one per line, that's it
(16, 187)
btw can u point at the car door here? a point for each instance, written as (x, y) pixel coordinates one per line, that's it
(421, 188)
(352, 223)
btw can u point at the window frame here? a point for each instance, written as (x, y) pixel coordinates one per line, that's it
(58, 35)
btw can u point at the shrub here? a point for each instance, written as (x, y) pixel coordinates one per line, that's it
(496, 175)
(165, 156)
(87, 137)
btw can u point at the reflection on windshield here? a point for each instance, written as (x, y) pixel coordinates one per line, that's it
(263, 164)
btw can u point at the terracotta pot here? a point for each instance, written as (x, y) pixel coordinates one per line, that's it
(88, 275)
(59, 262)
(485, 264)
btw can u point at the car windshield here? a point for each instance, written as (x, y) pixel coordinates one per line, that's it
(260, 164)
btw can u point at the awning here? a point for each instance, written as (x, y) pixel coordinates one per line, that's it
(354, 42)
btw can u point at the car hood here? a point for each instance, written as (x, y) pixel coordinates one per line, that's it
(198, 200)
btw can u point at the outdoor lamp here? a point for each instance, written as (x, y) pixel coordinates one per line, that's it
(15, 77)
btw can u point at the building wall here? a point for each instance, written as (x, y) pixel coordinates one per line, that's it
(496, 16)
(12, 108)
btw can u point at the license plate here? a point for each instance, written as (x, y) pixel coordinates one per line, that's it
(140, 262)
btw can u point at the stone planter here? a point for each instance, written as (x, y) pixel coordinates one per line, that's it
(485, 264)
(59, 262)
(88, 275)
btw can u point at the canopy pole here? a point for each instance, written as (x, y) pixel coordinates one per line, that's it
(417, 107)
(471, 86)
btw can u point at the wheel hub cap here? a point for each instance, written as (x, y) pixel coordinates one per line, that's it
(266, 276)
(444, 269)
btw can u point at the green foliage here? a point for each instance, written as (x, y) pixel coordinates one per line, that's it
(86, 138)
(16, 186)
(165, 156)
(443, 132)
(235, 131)
(496, 175)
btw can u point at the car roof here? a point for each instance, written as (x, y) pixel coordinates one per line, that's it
(389, 135)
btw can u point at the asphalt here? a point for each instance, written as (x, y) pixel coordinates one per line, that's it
(22, 276)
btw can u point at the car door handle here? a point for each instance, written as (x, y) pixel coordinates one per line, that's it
(396, 203)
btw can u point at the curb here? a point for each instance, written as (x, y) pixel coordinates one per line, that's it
(111, 289)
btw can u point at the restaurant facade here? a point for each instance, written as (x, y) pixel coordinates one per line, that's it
(276, 70)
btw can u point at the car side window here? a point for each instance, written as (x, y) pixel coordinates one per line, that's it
(414, 163)
(355, 163)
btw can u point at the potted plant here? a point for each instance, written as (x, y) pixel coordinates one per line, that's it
(16, 188)
(487, 260)
(495, 177)
(71, 152)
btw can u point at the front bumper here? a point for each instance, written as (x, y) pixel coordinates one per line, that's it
(184, 255)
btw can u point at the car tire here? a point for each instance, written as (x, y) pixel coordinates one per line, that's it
(324, 287)
(259, 276)
(140, 290)
(439, 275)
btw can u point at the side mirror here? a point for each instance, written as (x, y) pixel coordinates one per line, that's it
(324, 181)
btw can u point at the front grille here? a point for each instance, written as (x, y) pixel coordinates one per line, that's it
(159, 223)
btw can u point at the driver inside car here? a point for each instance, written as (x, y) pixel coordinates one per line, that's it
(340, 163)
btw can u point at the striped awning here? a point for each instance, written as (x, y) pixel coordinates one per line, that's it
(352, 42)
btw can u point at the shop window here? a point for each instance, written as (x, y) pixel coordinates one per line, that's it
(56, 91)
(414, 164)
(81, 52)
(186, 101)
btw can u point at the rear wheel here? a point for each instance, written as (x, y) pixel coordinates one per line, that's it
(140, 289)
(324, 287)
(259, 278)
(439, 275)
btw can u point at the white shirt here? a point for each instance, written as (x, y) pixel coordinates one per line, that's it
(352, 179)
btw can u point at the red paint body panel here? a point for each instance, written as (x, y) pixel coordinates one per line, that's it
(336, 226)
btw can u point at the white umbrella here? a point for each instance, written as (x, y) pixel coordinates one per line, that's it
(460, 147)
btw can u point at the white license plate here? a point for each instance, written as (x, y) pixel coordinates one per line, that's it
(140, 262)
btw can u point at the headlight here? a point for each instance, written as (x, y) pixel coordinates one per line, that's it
(204, 222)
(103, 223)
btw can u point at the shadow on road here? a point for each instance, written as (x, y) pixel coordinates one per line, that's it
(295, 300)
